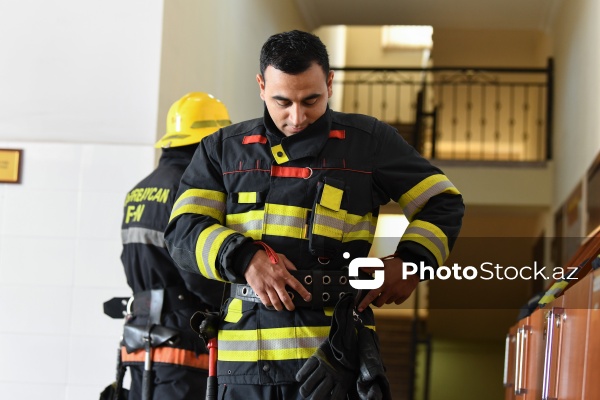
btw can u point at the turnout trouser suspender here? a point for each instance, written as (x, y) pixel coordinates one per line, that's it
(156, 303)
(149, 336)
(120, 375)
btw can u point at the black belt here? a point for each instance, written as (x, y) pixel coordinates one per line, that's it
(325, 287)
(175, 298)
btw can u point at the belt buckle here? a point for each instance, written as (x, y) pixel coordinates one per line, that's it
(129, 306)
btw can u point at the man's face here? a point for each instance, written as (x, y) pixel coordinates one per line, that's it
(295, 101)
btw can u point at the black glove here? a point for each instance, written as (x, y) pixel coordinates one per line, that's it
(331, 371)
(372, 383)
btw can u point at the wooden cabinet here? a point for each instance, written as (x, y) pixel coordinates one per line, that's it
(553, 353)
(574, 336)
(524, 354)
(509, 363)
(530, 365)
(591, 387)
(568, 329)
(552, 337)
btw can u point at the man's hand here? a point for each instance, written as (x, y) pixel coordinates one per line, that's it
(394, 288)
(269, 280)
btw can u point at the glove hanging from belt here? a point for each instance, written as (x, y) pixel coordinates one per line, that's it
(331, 371)
(372, 384)
(349, 358)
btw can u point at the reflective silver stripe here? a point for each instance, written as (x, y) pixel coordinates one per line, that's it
(415, 205)
(200, 201)
(206, 248)
(436, 241)
(285, 220)
(143, 236)
(330, 222)
(361, 226)
(244, 227)
(271, 344)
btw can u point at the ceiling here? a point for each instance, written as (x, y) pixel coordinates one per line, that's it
(447, 14)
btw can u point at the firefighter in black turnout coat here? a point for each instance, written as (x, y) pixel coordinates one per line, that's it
(280, 206)
(157, 328)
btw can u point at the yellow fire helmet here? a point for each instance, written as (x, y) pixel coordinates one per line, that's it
(193, 117)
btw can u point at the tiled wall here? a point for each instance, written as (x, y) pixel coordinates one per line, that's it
(59, 261)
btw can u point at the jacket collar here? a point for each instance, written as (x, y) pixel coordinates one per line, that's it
(307, 143)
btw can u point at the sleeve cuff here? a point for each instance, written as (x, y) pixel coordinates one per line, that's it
(415, 253)
(243, 255)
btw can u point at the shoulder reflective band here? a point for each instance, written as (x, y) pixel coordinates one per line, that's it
(254, 139)
(291, 172)
(337, 134)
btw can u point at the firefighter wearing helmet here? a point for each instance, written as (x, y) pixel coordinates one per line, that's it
(165, 357)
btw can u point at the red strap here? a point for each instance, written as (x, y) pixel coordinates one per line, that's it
(270, 252)
(168, 355)
(291, 172)
(337, 134)
(254, 139)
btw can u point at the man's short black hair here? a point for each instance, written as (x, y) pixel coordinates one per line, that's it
(293, 52)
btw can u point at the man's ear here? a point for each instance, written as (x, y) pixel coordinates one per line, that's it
(261, 85)
(329, 84)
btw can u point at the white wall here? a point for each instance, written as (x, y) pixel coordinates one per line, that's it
(59, 261)
(334, 38)
(76, 71)
(79, 95)
(85, 91)
(213, 46)
(577, 120)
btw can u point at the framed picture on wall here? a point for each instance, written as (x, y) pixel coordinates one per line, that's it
(10, 165)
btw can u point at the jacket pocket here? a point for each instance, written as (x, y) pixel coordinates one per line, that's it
(328, 218)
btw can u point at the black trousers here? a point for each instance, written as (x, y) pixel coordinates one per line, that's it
(267, 392)
(258, 392)
(171, 382)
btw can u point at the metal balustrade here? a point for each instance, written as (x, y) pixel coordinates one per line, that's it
(458, 113)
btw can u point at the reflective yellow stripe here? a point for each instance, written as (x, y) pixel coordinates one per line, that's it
(288, 221)
(274, 344)
(429, 236)
(554, 291)
(559, 286)
(200, 201)
(358, 227)
(413, 201)
(247, 197)
(248, 224)
(234, 311)
(277, 150)
(271, 344)
(207, 248)
(546, 299)
(329, 223)
(291, 221)
(270, 355)
(331, 197)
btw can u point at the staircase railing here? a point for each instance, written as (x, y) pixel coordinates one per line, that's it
(459, 113)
